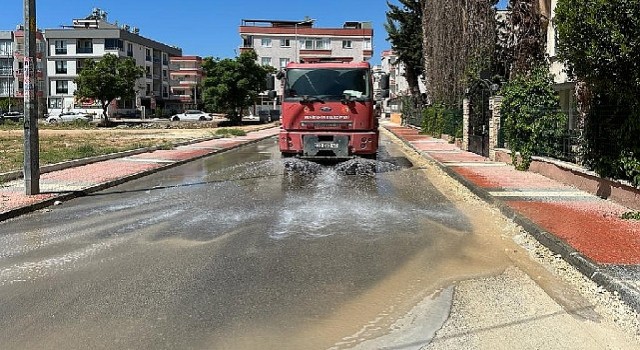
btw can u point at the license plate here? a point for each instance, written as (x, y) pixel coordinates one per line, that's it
(327, 145)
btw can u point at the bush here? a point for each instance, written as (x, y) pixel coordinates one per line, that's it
(533, 122)
(437, 120)
(230, 132)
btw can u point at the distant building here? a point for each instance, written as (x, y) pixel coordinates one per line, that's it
(186, 82)
(93, 37)
(278, 42)
(398, 85)
(12, 53)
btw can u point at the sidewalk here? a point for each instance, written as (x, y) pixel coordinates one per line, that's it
(585, 230)
(76, 180)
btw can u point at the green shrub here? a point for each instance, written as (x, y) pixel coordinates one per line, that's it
(231, 132)
(533, 122)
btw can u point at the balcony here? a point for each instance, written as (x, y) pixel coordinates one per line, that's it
(6, 71)
(149, 76)
(84, 50)
(61, 51)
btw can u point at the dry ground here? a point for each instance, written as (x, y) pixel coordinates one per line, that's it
(61, 144)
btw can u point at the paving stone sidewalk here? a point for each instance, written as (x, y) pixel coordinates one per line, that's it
(586, 230)
(78, 180)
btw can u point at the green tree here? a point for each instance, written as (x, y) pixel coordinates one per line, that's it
(107, 79)
(231, 85)
(404, 29)
(533, 123)
(599, 41)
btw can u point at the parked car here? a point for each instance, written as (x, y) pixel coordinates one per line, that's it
(191, 115)
(250, 118)
(13, 116)
(65, 117)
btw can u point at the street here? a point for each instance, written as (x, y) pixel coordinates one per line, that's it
(245, 250)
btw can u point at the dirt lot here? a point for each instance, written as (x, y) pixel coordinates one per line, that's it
(60, 144)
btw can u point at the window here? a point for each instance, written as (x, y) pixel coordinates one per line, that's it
(285, 42)
(322, 44)
(61, 47)
(148, 55)
(165, 59)
(130, 49)
(55, 103)
(284, 62)
(61, 67)
(164, 73)
(79, 65)
(266, 42)
(367, 44)
(113, 44)
(148, 89)
(62, 87)
(266, 61)
(306, 44)
(84, 46)
(6, 48)
(347, 44)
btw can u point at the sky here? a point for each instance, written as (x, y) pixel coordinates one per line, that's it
(205, 27)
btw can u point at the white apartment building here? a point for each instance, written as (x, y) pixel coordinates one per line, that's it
(12, 53)
(93, 37)
(398, 85)
(278, 42)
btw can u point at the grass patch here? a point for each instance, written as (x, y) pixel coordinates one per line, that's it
(230, 132)
(631, 215)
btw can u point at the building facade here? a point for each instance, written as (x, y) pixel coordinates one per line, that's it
(93, 37)
(186, 82)
(12, 55)
(278, 42)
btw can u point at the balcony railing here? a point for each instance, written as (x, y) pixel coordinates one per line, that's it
(85, 50)
(61, 51)
(6, 72)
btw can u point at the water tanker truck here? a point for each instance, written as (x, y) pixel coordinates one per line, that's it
(328, 111)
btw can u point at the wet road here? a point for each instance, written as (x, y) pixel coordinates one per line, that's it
(247, 251)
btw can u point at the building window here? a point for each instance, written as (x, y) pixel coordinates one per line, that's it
(55, 103)
(148, 89)
(130, 49)
(266, 61)
(306, 44)
(6, 48)
(85, 46)
(322, 44)
(61, 67)
(285, 42)
(347, 44)
(61, 47)
(62, 87)
(164, 73)
(165, 59)
(148, 55)
(113, 44)
(266, 42)
(165, 92)
(367, 44)
(284, 62)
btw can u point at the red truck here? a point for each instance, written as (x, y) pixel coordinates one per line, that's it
(328, 111)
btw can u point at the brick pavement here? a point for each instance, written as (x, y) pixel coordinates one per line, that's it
(77, 180)
(585, 229)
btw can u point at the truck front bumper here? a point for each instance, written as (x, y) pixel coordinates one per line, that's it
(328, 144)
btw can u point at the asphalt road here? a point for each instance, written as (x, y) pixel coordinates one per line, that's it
(244, 250)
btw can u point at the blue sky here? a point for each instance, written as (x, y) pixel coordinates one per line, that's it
(204, 27)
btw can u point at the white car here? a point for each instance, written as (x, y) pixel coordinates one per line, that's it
(191, 115)
(66, 117)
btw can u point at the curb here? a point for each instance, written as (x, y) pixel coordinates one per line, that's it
(592, 270)
(65, 196)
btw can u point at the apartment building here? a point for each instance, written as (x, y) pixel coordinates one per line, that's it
(93, 37)
(186, 79)
(12, 54)
(563, 84)
(278, 42)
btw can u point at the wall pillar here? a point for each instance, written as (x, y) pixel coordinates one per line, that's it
(465, 124)
(494, 125)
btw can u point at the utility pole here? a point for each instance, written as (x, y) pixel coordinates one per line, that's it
(31, 142)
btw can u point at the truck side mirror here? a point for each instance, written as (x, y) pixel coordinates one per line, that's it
(280, 75)
(270, 82)
(384, 82)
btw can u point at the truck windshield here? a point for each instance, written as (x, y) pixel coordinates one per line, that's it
(327, 84)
